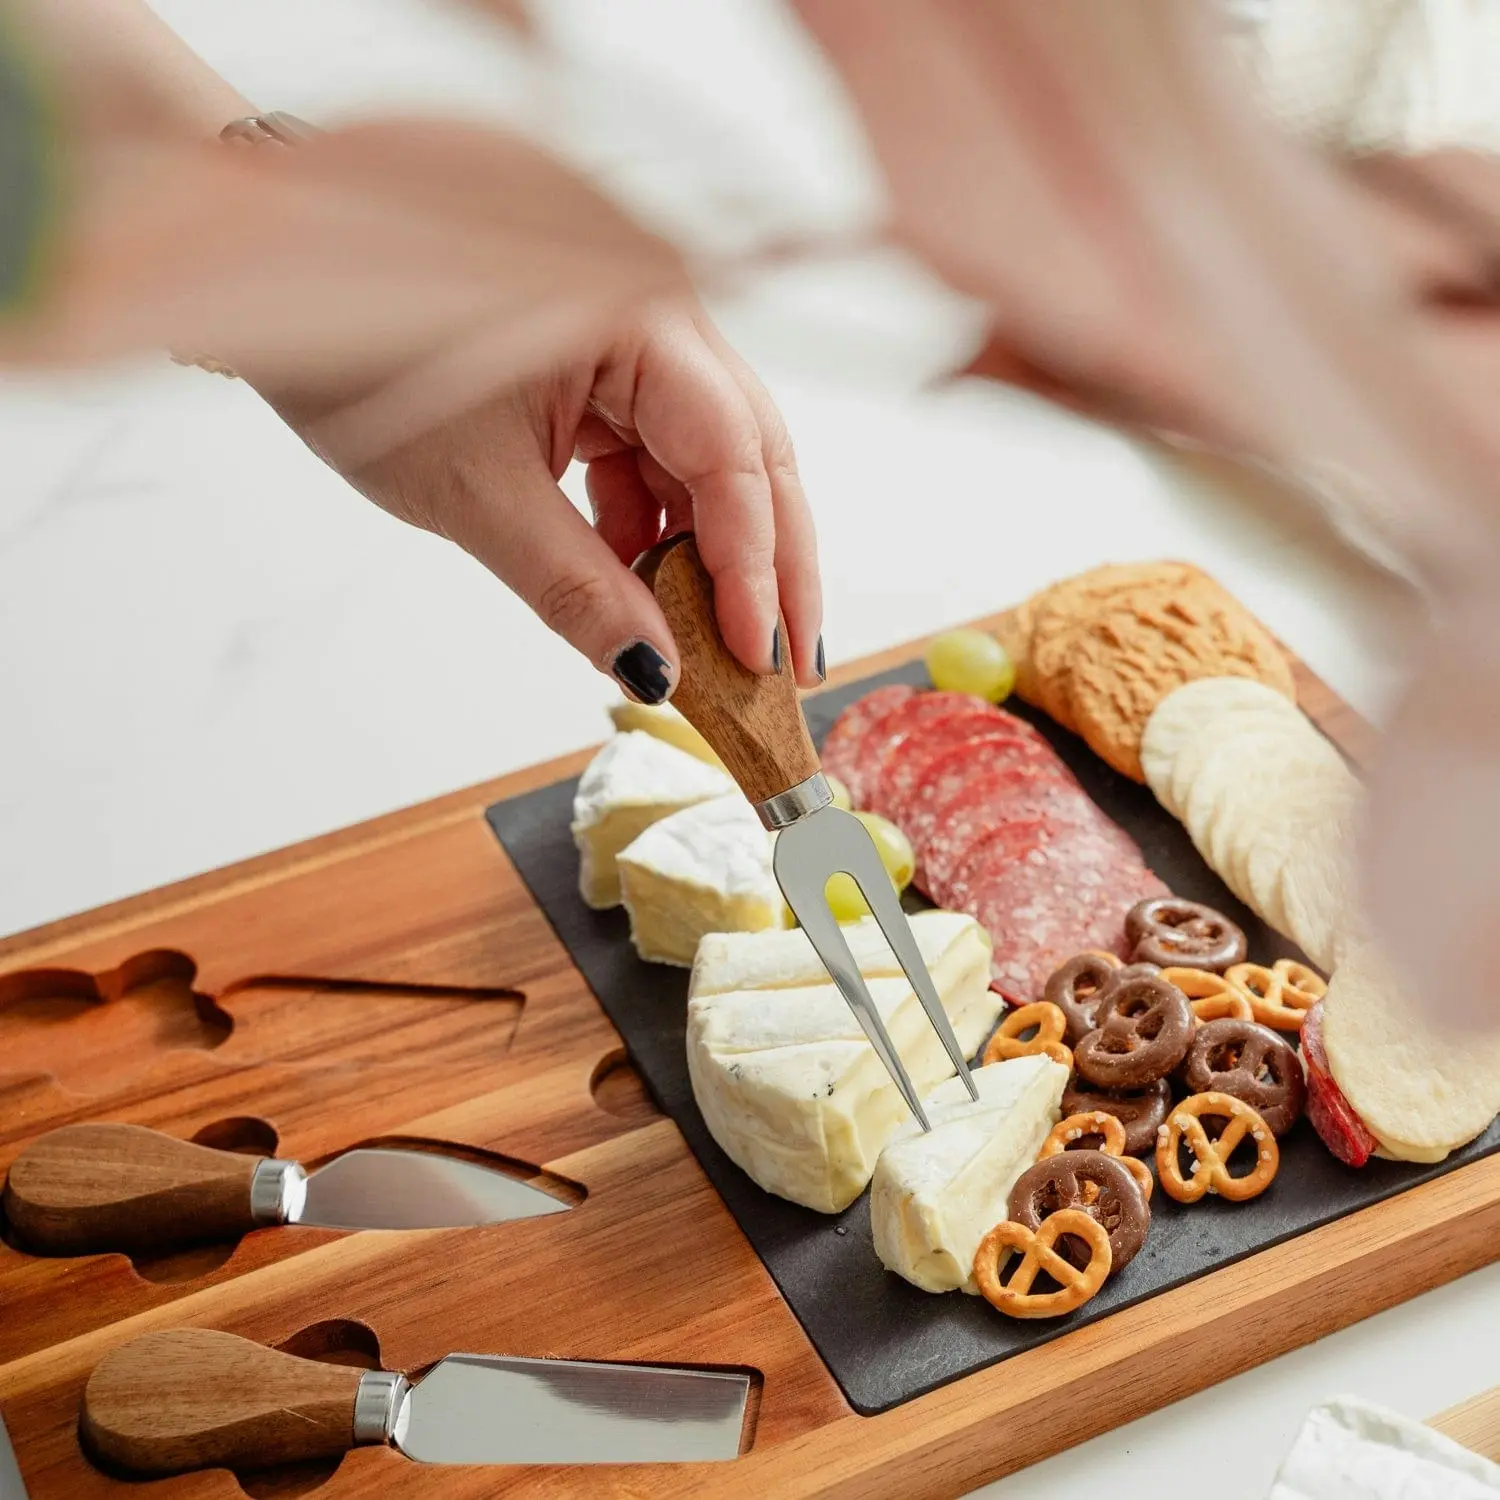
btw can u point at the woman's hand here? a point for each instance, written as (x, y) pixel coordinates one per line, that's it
(677, 433)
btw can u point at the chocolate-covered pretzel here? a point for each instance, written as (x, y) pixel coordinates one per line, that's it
(1141, 1114)
(1145, 1026)
(1251, 1062)
(1100, 1186)
(1077, 988)
(1167, 931)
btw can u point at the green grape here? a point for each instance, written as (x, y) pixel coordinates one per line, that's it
(844, 899)
(894, 846)
(840, 792)
(842, 894)
(971, 661)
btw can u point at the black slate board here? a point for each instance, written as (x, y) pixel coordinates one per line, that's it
(882, 1339)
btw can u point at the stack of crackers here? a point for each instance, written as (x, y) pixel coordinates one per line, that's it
(1100, 650)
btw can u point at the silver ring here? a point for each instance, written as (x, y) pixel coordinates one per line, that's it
(794, 804)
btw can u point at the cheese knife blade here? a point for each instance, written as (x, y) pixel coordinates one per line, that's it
(12, 1486)
(193, 1398)
(92, 1188)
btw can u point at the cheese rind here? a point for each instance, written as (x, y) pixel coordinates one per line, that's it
(634, 781)
(936, 1194)
(790, 1087)
(663, 721)
(704, 869)
(729, 961)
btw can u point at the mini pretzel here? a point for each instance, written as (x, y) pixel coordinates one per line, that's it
(1211, 996)
(1050, 1025)
(1210, 1172)
(1077, 988)
(1168, 930)
(1067, 1133)
(1145, 1027)
(1038, 1253)
(1280, 996)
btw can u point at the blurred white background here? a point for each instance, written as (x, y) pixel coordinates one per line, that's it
(212, 647)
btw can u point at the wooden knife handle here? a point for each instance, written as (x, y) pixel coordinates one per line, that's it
(90, 1188)
(755, 723)
(192, 1398)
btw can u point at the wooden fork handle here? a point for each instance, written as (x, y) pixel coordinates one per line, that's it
(193, 1398)
(754, 722)
(87, 1189)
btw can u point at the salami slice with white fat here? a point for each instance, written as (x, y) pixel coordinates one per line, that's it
(925, 784)
(843, 752)
(906, 766)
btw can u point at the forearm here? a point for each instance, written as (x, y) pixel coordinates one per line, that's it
(142, 52)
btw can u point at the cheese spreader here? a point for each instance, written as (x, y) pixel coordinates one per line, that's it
(86, 1189)
(194, 1398)
(11, 1485)
(755, 725)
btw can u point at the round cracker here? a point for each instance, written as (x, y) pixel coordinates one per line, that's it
(1409, 1082)
(1134, 651)
(1188, 709)
(1058, 613)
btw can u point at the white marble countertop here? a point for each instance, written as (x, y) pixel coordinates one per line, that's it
(212, 647)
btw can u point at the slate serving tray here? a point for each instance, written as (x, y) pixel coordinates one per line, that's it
(882, 1339)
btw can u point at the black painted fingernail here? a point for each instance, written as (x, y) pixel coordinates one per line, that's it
(820, 662)
(642, 670)
(776, 649)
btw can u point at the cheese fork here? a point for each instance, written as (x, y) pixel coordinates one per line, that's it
(755, 725)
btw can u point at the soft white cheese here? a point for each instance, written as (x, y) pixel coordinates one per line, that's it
(936, 1194)
(704, 869)
(1349, 1449)
(791, 1089)
(744, 961)
(633, 781)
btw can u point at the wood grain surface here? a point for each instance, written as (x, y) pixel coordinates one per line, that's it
(1475, 1423)
(395, 982)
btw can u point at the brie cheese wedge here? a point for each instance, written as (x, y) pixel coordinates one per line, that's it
(704, 869)
(663, 721)
(775, 960)
(633, 781)
(786, 1080)
(936, 1194)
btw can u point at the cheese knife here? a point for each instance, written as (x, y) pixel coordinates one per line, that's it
(91, 1188)
(194, 1398)
(12, 1486)
(755, 725)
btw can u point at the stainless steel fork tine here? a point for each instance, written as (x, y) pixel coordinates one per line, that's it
(885, 906)
(802, 881)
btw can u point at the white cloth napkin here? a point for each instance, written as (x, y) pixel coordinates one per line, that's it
(1349, 1449)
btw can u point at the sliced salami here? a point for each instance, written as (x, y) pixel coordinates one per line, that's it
(843, 749)
(956, 773)
(907, 769)
(881, 746)
(1066, 894)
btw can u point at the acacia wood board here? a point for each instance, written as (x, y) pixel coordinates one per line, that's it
(395, 981)
(1475, 1423)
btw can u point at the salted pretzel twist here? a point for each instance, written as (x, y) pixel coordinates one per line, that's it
(1210, 996)
(1280, 996)
(1111, 1132)
(1050, 1024)
(1037, 1249)
(1210, 1170)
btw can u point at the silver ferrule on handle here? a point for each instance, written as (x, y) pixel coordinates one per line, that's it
(788, 807)
(278, 1192)
(377, 1405)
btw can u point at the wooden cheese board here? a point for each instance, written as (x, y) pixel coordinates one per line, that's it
(396, 982)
